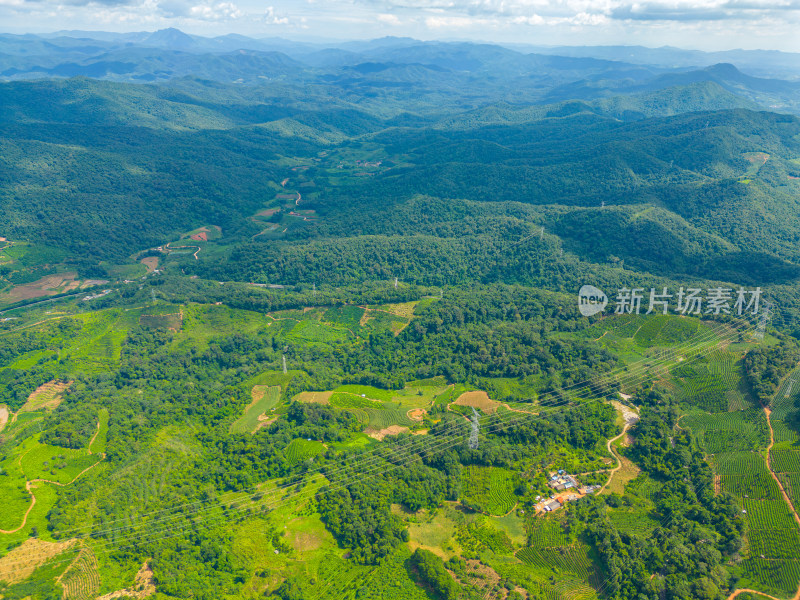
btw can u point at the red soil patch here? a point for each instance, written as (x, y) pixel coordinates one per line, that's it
(46, 286)
(267, 213)
(417, 414)
(382, 433)
(47, 395)
(478, 399)
(199, 237)
(151, 262)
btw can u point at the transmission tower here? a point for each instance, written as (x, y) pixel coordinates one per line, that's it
(473, 435)
(395, 283)
(763, 319)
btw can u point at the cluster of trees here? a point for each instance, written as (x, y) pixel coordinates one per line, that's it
(684, 557)
(765, 366)
(433, 575)
(360, 519)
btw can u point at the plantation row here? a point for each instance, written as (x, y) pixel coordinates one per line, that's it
(632, 522)
(744, 474)
(382, 418)
(547, 533)
(300, 450)
(783, 403)
(81, 580)
(785, 460)
(565, 558)
(783, 433)
(731, 431)
(780, 575)
(489, 489)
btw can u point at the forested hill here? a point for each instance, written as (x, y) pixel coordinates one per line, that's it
(124, 167)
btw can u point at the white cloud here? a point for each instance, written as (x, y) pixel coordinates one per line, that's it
(455, 22)
(389, 19)
(272, 18)
(221, 11)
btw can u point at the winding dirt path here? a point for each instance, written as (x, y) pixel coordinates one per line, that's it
(746, 591)
(96, 433)
(168, 247)
(610, 446)
(30, 484)
(768, 413)
(613, 452)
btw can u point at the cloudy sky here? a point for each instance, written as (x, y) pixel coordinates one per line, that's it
(702, 24)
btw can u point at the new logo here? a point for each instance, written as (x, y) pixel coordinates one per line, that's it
(591, 300)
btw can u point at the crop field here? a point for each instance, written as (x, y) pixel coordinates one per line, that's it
(574, 558)
(202, 322)
(81, 580)
(513, 525)
(314, 331)
(784, 433)
(727, 432)
(478, 399)
(367, 391)
(664, 330)
(791, 483)
(264, 399)
(633, 521)
(42, 461)
(98, 444)
(348, 400)
(346, 316)
(433, 533)
(490, 488)
(714, 384)
(23, 560)
(381, 418)
(784, 402)
(299, 450)
(777, 576)
(785, 460)
(745, 474)
(16, 501)
(547, 532)
(172, 321)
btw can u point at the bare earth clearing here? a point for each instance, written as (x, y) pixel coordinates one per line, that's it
(382, 433)
(23, 560)
(478, 399)
(151, 262)
(46, 286)
(314, 397)
(48, 395)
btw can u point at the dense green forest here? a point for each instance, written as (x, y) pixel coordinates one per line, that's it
(320, 338)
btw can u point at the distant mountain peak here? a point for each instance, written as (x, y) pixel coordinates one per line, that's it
(724, 70)
(170, 38)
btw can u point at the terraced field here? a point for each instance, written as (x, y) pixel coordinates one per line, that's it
(381, 418)
(299, 450)
(489, 488)
(551, 548)
(81, 580)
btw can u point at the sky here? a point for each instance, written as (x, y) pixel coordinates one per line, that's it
(698, 24)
